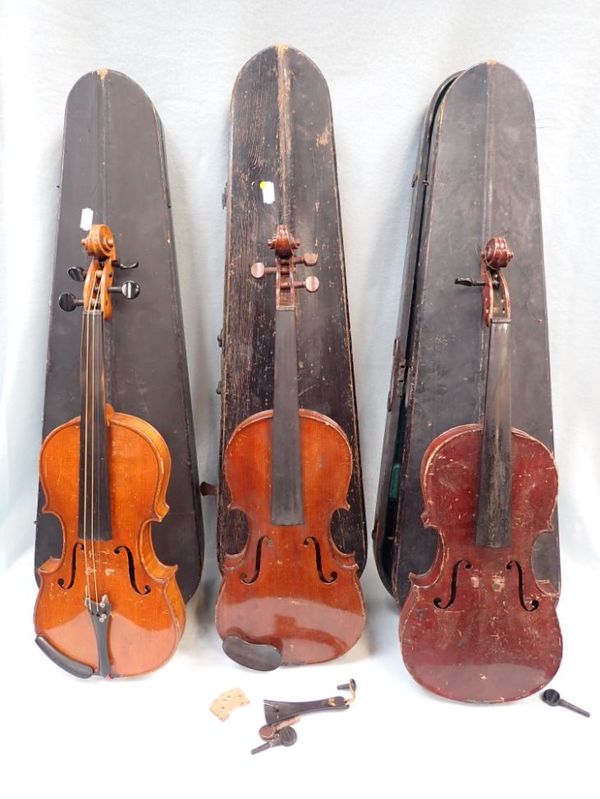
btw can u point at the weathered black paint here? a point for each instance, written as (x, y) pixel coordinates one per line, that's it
(281, 132)
(477, 177)
(114, 163)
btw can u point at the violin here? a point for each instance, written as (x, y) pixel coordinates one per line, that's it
(107, 605)
(479, 626)
(290, 592)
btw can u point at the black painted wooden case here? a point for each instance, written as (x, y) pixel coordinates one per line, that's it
(476, 177)
(282, 170)
(114, 165)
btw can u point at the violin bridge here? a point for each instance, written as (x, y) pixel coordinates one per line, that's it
(100, 613)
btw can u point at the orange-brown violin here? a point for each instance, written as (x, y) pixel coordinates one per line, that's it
(290, 595)
(479, 626)
(107, 606)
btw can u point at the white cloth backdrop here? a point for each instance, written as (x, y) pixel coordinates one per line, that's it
(382, 60)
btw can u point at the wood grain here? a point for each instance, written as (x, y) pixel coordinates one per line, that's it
(290, 586)
(281, 132)
(148, 613)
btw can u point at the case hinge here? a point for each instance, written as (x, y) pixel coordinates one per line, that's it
(398, 374)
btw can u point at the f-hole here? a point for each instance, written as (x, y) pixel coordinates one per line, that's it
(131, 564)
(528, 606)
(61, 581)
(438, 600)
(243, 576)
(333, 576)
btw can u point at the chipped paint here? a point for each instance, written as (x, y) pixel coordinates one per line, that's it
(324, 138)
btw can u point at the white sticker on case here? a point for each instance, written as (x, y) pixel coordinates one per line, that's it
(87, 217)
(268, 191)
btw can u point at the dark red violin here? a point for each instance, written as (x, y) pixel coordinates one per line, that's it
(479, 626)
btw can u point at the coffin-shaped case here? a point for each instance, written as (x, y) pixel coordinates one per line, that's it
(476, 177)
(282, 170)
(114, 172)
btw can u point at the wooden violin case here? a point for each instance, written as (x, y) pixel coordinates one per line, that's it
(476, 177)
(282, 171)
(281, 133)
(114, 166)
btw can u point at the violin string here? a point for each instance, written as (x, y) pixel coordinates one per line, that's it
(94, 504)
(84, 423)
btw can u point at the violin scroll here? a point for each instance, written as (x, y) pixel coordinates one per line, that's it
(496, 254)
(99, 244)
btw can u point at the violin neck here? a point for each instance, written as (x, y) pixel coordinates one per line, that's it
(94, 498)
(287, 498)
(494, 513)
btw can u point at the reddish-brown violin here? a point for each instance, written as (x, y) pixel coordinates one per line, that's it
(290, 591)
(479, 626)
(107, 606)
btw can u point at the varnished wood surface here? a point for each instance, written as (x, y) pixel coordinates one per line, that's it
(291, 587)
(281, 132)
(478, 626)
(148, 613)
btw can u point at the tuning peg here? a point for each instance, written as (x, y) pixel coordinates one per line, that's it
(68, 301)
(308, 259)
(76, 273)
(129, 289)
(468, 281)
(310, 284)
(119, 265)
(259, 270)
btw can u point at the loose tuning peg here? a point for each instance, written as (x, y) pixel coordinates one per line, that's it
(68, 301)
(76, 273)
(130, 289)
(119, 265)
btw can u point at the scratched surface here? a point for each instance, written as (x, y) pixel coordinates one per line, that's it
(477, 177)
(281, 134)
(113, 163)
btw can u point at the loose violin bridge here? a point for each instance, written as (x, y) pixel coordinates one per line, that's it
(284, 245)
(227, 702)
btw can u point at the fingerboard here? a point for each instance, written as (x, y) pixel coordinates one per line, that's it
(94, 498)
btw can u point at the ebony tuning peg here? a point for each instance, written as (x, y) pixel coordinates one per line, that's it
(68, 301)
(76, 273)
(119, 265)
(130, 290)
(468, 281)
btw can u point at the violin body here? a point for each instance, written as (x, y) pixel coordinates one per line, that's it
(290, 586)
(147, 615)
(478, 626)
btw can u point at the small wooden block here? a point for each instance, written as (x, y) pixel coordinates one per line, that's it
(230, 700)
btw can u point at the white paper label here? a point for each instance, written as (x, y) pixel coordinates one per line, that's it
(268, 191)
(87, 217)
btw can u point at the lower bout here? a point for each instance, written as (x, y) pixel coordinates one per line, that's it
(304, 631)
(133, 648)
(474, 663)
